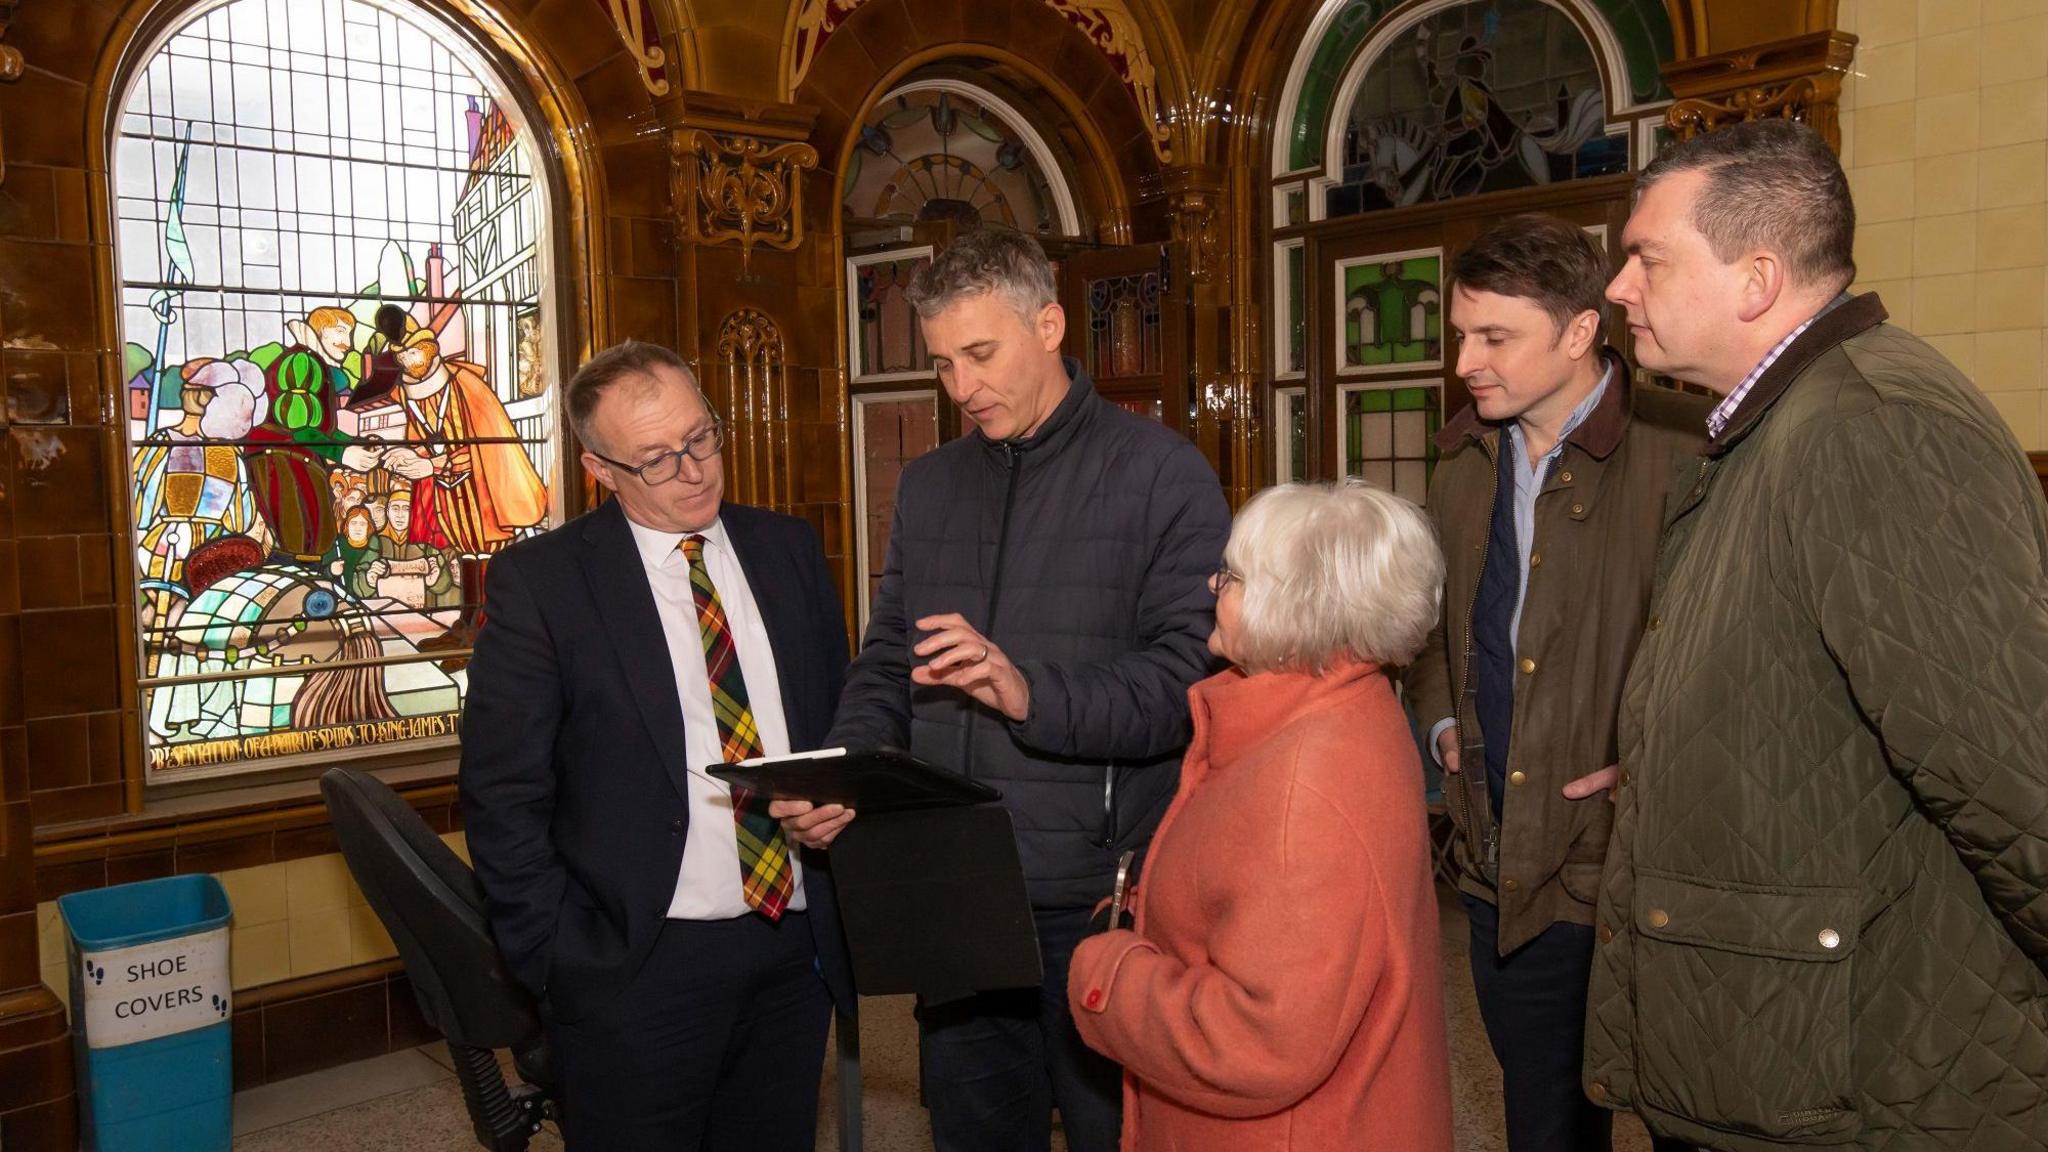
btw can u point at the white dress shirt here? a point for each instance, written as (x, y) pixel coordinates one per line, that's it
(709, 885)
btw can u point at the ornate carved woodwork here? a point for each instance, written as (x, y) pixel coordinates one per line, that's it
(1799, 78)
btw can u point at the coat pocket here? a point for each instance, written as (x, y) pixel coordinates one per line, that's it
(1743, 1006)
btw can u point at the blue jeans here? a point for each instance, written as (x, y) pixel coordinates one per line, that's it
(996, 1064)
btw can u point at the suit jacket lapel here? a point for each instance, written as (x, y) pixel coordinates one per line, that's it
(769, 570)
(618, 583)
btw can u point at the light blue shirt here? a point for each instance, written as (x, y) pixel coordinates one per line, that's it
(1528, 485)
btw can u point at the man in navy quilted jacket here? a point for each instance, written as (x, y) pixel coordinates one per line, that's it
(1044, 608)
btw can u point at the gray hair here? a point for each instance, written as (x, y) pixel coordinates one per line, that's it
(1010, 264)
(1770, 184)
(627, 358)
(1333, 570)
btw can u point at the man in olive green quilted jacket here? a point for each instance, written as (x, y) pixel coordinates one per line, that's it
(1824, 919)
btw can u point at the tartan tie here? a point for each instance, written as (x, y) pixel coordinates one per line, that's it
(764, 855)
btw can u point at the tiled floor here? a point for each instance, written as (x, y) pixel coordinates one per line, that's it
(409, 1101)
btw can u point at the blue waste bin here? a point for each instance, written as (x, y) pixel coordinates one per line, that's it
(150, 1000)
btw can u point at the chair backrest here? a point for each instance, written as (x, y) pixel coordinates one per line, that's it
(433, 907)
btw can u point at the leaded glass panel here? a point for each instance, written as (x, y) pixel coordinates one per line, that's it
(331, 251)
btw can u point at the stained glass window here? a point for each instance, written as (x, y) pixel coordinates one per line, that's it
(888, 342)
(1290, 435)
(1123, 326)
(1390, 436)
(1390, 312)
(339, 397)
(942, 151)
(1476, 98)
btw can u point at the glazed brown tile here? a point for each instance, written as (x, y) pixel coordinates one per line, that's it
(644, 308)
(245, 1047)
(619, 105)
(883, 30)
(68, 185)
(48, 1127)
(49, 572)
(299, 843)
(151, 865)
(226, 853)
(37, 386)
(64, 491)
(54, 880)
(107, 743)
(69, 662)
(44, 113)
(68, 805)
(409, 1028)
(636, 175)
(576, 41)
(10, 577)
(28, 203)
(301, 1036)
(18, 954)
(96, 573)
(13, 764)
(67, 43)
(59, 753)
(45, 291)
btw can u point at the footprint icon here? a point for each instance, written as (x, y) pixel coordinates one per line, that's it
(220, 1006)
(98, 972)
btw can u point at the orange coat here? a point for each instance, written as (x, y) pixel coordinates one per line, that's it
(1281, 989)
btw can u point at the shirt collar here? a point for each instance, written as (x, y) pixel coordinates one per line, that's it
(1577, 417)
(658, 548)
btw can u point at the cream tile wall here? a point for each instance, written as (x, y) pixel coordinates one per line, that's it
(299, 918)
(1945, 137)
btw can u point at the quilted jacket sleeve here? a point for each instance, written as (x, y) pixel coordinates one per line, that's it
(1135, 706)
(1920, 545)
(874, 705)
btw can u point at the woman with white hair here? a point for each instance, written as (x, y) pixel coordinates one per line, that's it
(1280, 987)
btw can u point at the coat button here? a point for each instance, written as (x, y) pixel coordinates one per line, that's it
(1095, 997)
(1621, 780)
(1829, 938)
(1606, 934)
(1510, 886)
(1528, 666)
(1578, 509)
(1564, 477)
(1656, 622)
(1659, 918)
(1535, 559)
(1518, 777)
(1596, 1091)
(676, 826)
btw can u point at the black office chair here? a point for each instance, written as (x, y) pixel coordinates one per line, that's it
(433, 907)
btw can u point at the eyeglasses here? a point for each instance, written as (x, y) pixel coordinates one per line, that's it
(665, 467)
(1222, 578)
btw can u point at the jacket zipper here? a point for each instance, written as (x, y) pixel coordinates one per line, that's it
(1483, 849)
(1013, 464)
(1109, 805)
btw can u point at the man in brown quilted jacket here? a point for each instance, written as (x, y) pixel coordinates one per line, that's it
(1824, 919)
(1547, 502)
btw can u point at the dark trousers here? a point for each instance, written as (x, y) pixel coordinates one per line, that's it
(716, 1044)
(997, 1064)
(1534, 1004)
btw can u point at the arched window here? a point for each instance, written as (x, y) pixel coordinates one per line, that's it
(939, 148)
(332, 241)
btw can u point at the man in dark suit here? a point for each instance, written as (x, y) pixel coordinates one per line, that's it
(685, 954)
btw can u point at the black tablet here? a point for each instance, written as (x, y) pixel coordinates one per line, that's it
(865, 780)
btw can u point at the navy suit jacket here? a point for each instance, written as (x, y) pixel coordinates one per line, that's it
(574, 790)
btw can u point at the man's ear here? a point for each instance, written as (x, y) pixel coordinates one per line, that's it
(601, 470)
(1582, 335)
(1052, 327)
(1763, 281)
